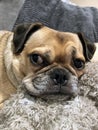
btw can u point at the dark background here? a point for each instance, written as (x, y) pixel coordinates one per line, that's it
(9, 10)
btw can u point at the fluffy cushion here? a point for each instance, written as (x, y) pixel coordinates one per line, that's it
(23, 112)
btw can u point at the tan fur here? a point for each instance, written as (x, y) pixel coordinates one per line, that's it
(6, 87)
(57, 46)
(49, 40)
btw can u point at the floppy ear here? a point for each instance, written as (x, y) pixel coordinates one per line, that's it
(22, 33)
(88, 48)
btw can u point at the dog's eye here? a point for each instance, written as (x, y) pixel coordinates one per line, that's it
(78, 63)
(36, 59)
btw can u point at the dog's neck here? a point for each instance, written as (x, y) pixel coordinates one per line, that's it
(8, 59)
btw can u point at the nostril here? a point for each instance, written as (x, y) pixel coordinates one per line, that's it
(60, 79)
(65, 79)
(57, 78)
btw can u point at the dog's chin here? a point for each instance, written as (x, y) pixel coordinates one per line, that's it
(43, 86)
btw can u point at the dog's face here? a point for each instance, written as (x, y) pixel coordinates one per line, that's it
(49, 61)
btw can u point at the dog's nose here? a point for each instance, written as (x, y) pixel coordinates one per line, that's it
(60, 76)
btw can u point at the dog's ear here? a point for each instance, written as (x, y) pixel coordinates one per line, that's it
(21, 34)
(88, 48)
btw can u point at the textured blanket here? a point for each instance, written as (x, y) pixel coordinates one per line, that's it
(22, 112)
(61, 16)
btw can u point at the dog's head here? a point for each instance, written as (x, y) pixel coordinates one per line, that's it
(49, 61)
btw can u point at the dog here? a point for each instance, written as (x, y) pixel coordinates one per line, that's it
(43, 60)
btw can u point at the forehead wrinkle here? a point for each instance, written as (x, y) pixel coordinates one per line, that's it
(60, 37)
(66, 55)
(76, 53)
(40, 49)
(44, 51)
(64, 37)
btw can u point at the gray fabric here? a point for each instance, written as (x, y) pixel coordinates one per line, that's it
(61, 16)
(9, 10)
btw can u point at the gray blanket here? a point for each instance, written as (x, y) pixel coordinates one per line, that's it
(9, 10)
(61, 16)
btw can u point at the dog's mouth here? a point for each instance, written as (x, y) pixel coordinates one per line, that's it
(44, 86)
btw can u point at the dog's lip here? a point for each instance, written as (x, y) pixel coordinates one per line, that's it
(40, 93)
(57, 91)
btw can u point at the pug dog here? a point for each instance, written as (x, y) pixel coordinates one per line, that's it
(43, 60)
